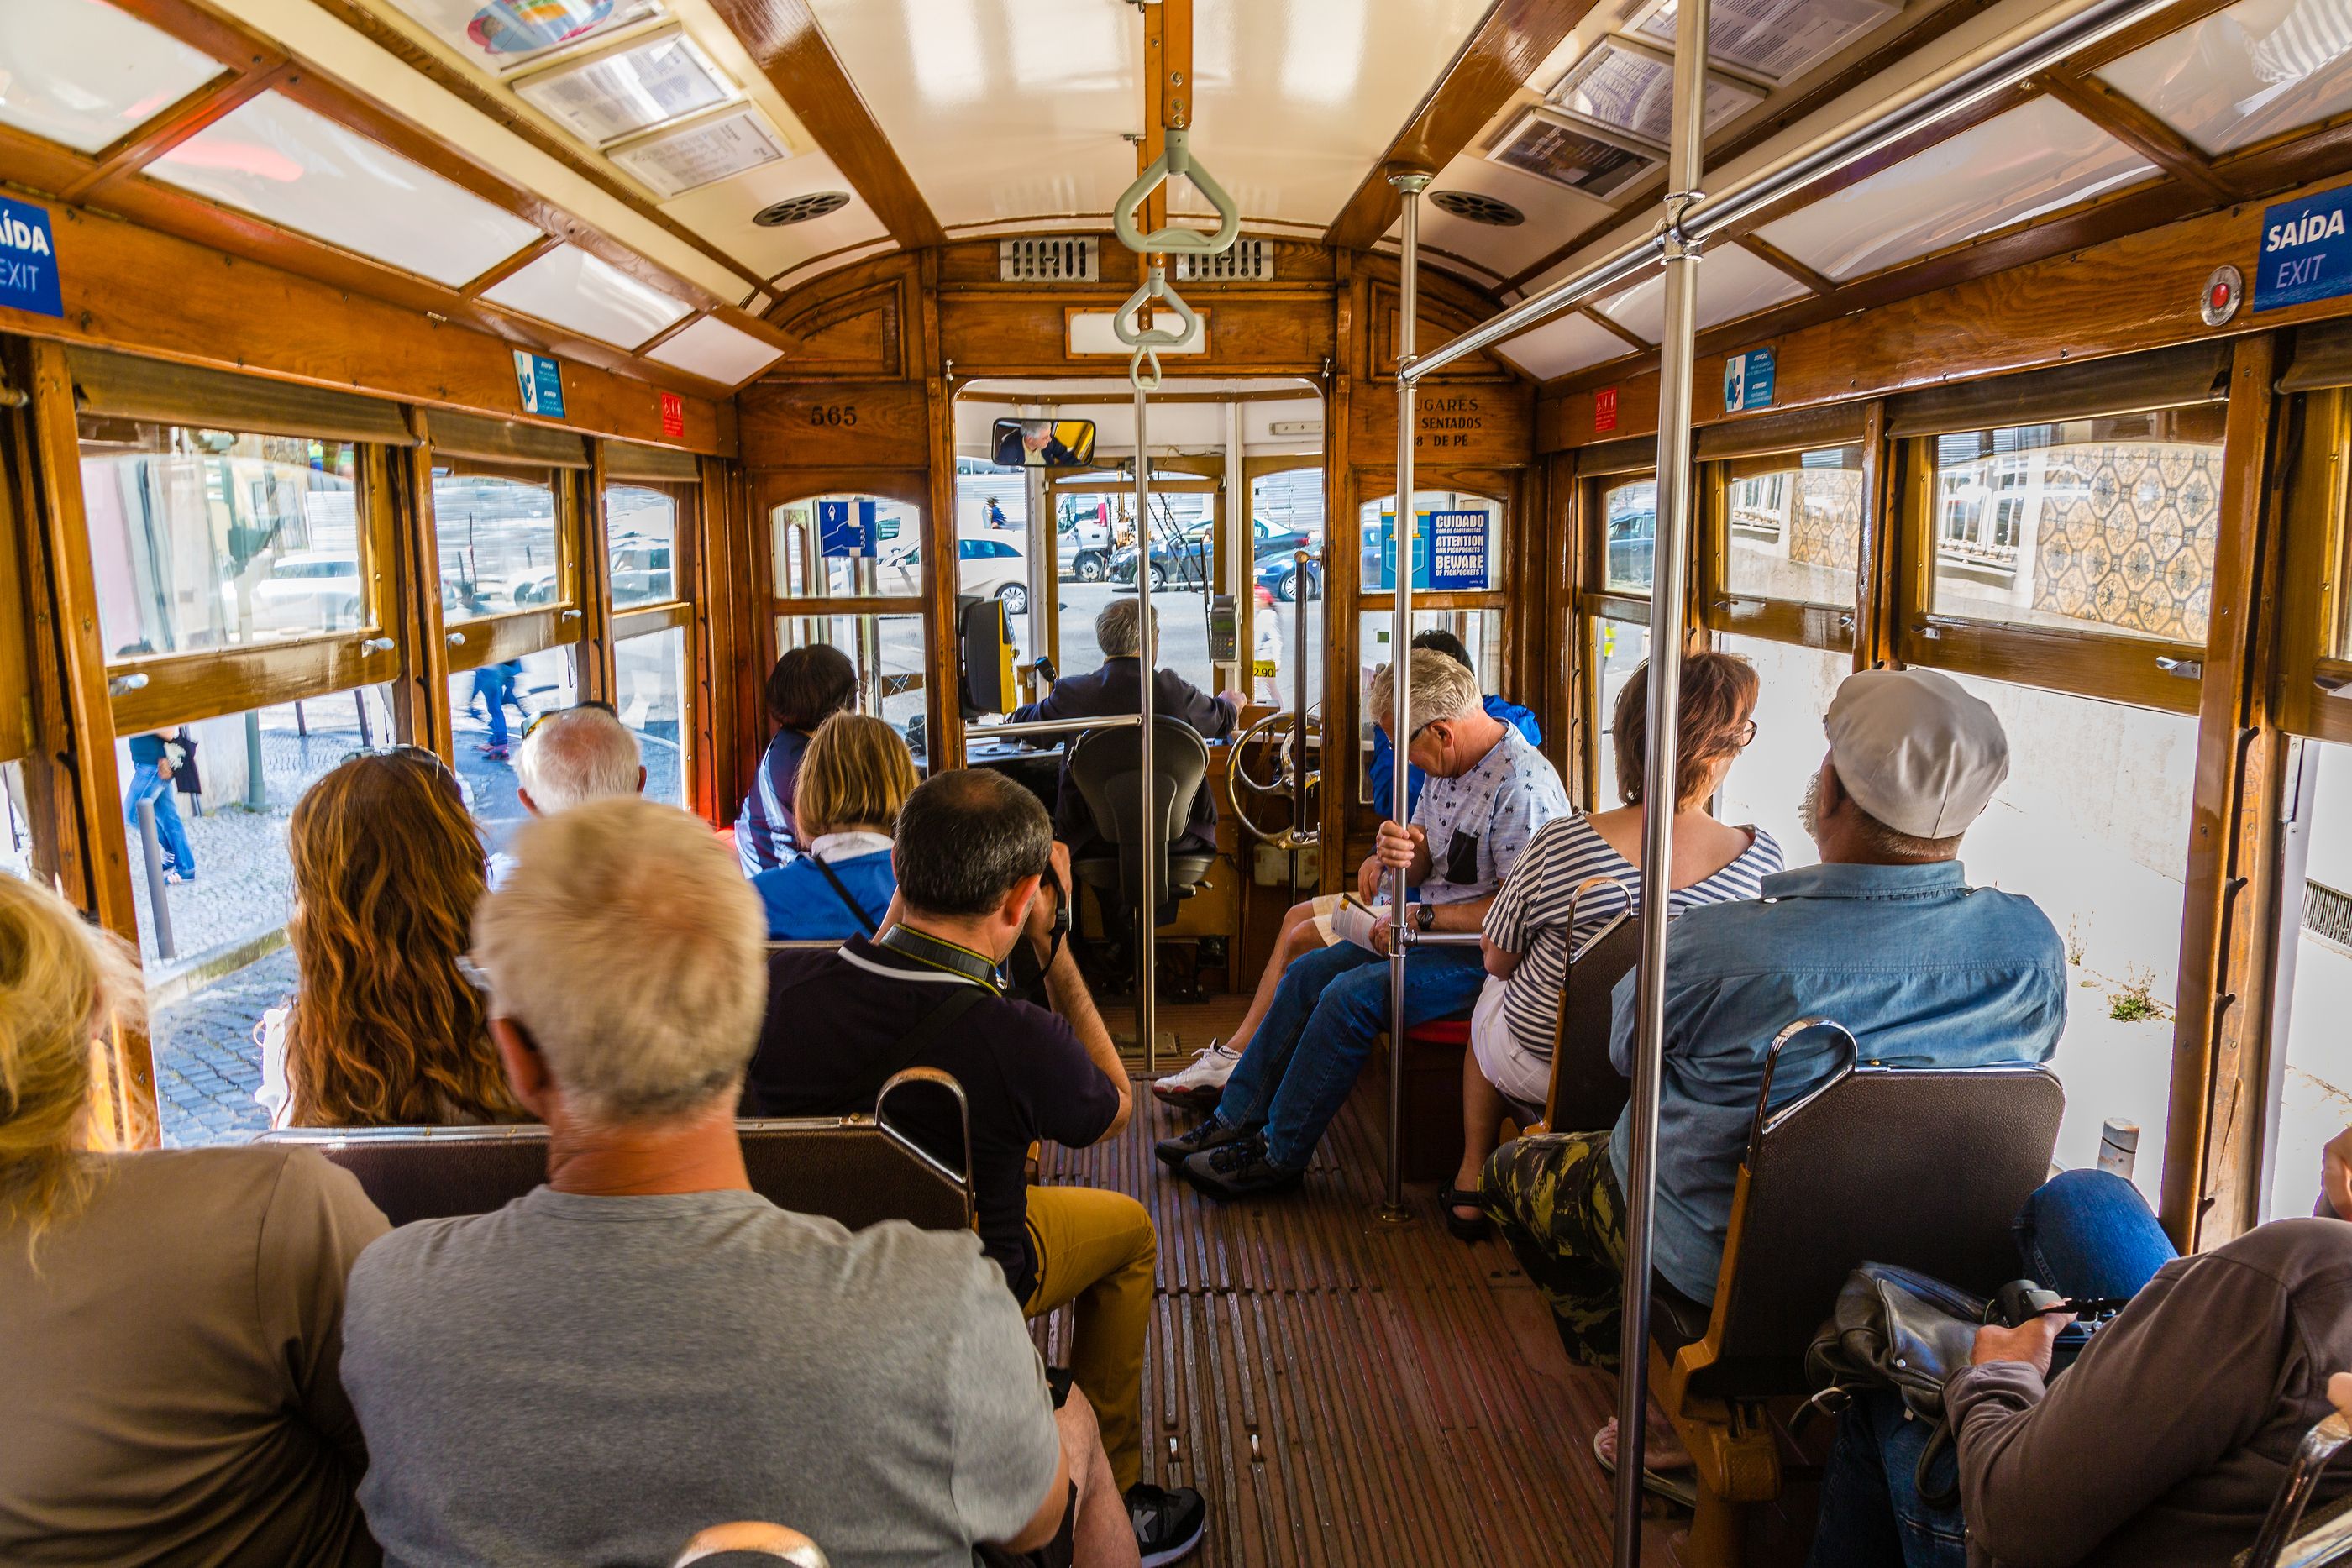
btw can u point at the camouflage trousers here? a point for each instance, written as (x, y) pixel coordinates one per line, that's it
(1555, 1199)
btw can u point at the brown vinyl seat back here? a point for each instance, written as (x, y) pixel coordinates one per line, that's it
(1924, 1169)
(858, 1170)
(1587, 1093)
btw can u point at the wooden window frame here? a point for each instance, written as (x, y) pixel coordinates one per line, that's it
(1723, 612)
(2314, 675)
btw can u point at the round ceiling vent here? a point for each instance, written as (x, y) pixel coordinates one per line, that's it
(1475, 208)
(801, 209)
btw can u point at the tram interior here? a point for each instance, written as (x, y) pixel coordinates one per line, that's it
(403, 373)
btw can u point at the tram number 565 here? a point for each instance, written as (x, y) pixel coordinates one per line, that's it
(841, 415)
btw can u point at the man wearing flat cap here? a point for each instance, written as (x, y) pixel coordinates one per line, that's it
(1884, 936)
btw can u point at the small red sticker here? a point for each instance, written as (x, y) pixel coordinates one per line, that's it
(1604, 409)
(673, 408)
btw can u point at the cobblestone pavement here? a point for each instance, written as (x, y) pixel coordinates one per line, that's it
(206, 1065)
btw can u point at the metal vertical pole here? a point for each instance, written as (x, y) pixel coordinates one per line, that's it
(157, 905)
(1685, 157)
(1045, 568)
(1155, 823)
(1410, 184)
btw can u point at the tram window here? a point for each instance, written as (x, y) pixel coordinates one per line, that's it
(2314, 1086)
(228, 963)
(640, 543)
(16, 843)
(498, 544)
(1288, 516)
(1466, 558)
(1481, 631)
(212, 538)
(1794, 526)
(650, 694)
(1767, 785)
(804, 568)
(2097, 525)
(1630, 520)
(1618, 648)
(2093, 825)
(887, 651)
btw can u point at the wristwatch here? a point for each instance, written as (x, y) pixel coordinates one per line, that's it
(1425, 916)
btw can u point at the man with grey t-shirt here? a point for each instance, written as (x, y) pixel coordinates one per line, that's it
(644, 1347)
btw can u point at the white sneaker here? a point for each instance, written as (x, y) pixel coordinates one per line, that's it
(1202, 1082)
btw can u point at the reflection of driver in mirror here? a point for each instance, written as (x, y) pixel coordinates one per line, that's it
(1044, 443)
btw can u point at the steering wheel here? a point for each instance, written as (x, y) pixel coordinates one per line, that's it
(1290, 774)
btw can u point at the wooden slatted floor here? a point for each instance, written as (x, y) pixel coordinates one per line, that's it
(1344, 1392)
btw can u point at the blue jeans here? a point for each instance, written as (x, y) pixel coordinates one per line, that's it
(495, 685)
(146, 784)
(2083, 1233)
(1310, 1050)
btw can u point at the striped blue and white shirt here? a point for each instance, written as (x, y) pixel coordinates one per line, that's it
(765, 833)
(1530, 915)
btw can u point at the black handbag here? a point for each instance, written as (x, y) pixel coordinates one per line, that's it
(1897, 1330)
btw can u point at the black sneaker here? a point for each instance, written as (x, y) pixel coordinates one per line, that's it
(1168, 1522)
(1209, 1134)
(1240, 1169)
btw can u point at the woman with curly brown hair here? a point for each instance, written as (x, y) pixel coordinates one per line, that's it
(386, 1028)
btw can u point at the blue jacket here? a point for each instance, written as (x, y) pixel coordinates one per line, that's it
(804, 907)
(1924, 969)
(1381, 773)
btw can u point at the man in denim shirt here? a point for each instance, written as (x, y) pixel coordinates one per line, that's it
(1489, 792)
(1886, 936)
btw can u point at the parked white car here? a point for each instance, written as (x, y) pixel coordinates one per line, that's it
(990, 564)
(307, 592)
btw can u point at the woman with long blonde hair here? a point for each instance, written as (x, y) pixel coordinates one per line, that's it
(386, 1028)
(852, 779)
(173, 1316)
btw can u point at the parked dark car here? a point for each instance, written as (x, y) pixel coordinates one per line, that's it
(1632, 542)
(1278, 571)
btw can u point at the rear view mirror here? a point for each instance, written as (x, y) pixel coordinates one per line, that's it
(1045, 442)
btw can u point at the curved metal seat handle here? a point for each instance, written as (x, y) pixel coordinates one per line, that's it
(1176, 162)
(946, 1080)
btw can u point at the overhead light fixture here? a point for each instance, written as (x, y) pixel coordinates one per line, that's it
(734, 140)
(1630, 86)
(632, 86)
(1573, 154)
(505, 35)
(801, 209)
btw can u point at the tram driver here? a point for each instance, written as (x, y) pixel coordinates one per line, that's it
(1886, 936)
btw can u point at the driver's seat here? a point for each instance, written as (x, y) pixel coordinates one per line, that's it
(1106, 767)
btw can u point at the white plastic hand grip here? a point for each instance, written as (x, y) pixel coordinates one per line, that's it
(1174, 163)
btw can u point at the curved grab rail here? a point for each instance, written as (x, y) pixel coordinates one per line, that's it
(931, 1075)
(1768, 1116)
(1174, 163)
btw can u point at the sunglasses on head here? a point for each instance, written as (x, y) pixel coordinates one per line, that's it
(538, 719)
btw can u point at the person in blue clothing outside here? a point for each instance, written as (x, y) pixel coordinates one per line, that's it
(151, 780)
(1307, 926)
(852, 779)
(495, 685)
(807, 687)
(1884, 936)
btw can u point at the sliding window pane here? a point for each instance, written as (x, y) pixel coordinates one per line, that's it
(818, 544)
(497, 542)
(1481, 631)
(211, 538)
(1629, 515)
(651, 697)
(1618, 648)
(1767, 786)
(1795, 525)
(641, 537)
(2314, 1082)
(1456, 542)
(2093, 525)
(490, 707)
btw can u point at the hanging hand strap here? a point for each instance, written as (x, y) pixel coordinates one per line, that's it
(1176, 162)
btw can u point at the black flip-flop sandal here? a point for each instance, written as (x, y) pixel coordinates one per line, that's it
(1453, 1197)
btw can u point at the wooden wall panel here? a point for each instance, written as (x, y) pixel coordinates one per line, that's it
(844, 424)
(862, 333)
(2143, 291)
(1480, 424)
(133, 288)
(1287, 333)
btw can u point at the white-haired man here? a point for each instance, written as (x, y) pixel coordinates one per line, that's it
(571, 754)
(644, 1346)
(1489, 790)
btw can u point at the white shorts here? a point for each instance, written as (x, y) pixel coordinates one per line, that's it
(1518, 1073)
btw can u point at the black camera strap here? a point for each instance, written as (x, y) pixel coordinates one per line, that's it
(933, 953)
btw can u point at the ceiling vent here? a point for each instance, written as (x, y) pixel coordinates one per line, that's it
(1472, 207)
(1249, 261)
(1049, 259)
(801, 209)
